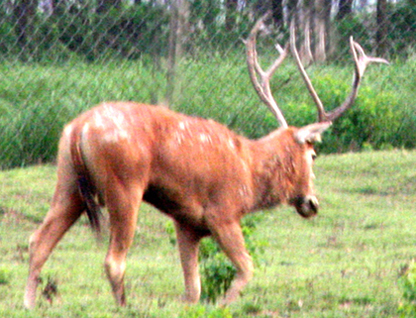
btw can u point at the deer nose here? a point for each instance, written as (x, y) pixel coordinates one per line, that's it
(307, 206)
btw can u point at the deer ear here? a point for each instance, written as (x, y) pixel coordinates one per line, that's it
(311, 133)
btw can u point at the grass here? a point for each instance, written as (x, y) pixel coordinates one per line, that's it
(344, 263)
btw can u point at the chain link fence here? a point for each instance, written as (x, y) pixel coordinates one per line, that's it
(60, 57)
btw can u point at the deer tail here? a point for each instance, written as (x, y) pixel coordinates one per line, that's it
(85, 185)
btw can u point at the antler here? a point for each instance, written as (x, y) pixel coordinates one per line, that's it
(361, 62)
(262, 87)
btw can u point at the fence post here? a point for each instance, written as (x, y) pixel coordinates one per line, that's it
(177, 23)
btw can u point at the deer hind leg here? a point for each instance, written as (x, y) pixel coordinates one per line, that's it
(123, 205)
(188, 243)
(66, 208)
(231, 240)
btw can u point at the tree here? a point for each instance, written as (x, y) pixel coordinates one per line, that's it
(382, 27)
(344, 9)
(322, 15)
(24, 12)
(230, 12)
(277, 9)
(305, 22)
(177, 26)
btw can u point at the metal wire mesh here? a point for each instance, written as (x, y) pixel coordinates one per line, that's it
(60, 57)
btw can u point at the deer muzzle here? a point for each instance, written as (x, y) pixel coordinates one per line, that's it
(306, 206)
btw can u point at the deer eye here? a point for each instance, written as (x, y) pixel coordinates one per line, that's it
(314, 156)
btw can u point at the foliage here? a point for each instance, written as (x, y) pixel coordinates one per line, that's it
(407, 282)
(210, 32)
(216, 269)
(5, 276)
(344, 29)
(402, 29)
(127, 31)
(75, 30)
(380, 117)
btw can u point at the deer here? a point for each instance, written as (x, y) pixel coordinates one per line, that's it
(199, 173)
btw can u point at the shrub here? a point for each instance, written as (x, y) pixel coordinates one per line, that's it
(5, 276)
(407, 282)
(217, 272)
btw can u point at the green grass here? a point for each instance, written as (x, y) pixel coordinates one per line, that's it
(344, 263)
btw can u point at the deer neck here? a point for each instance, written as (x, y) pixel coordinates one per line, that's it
(274, 169)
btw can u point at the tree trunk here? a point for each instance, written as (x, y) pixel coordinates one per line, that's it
(382, 28)
(24, 12)
(344, 9)
(230, 12)
(306, 25)
(321, 24)
(328, 9)
(292, 10)
(177, 26)
(278, 16)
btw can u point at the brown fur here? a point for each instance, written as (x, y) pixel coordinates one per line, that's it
(202, 175)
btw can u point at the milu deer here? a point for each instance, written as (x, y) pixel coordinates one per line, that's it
(198, 172)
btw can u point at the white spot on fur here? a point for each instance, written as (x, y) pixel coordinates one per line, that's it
(116, 136)
(204, 138)
(179, 137)
(182, 125)
(98, 120)
(68, 131)
(244, 191)
(113, 124)
(85, 129)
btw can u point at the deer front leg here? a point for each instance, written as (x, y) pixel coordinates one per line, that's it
(231, 240)
(188, 243)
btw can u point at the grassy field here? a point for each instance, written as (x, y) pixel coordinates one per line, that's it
(344, 263)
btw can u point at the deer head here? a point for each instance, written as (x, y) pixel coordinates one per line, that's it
(303, 199)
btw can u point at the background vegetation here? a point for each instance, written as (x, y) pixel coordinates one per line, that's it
(97, 29)
(38, 100)
(61, 57)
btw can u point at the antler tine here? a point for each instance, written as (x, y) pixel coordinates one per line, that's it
(361, 62)
(321, 111)
(262, 87)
